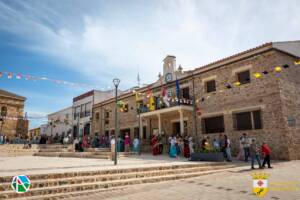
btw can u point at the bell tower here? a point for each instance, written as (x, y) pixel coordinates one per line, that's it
(169, 68)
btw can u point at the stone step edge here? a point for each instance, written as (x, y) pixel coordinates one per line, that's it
(130, 181)
(70, 156)
(116, 171)
(148, 174)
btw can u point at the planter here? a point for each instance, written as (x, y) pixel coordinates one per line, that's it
(215, 157)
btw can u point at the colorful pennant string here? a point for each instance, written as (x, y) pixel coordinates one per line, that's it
(26, 77)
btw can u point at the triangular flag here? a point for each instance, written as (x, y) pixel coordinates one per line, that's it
(297, 62)
(18, 76)
(9, 75)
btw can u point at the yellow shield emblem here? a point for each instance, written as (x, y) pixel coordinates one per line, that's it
(260, 184)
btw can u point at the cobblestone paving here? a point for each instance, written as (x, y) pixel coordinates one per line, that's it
(232, 185)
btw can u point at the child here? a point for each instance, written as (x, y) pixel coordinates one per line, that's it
(266, 152)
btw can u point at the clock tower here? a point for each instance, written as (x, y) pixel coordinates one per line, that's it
(169, 68)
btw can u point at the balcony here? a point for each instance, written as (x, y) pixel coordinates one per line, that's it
(187, 103)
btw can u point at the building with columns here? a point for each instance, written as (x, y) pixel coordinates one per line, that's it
(255, 92)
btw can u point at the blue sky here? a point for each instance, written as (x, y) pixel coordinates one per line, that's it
(94, 41)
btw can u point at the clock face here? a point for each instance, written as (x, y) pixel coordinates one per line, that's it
(169, 77)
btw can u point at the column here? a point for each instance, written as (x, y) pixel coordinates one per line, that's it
(181, 122)
(141, 127)
(159, 123)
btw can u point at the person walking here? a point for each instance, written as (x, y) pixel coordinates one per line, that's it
(254, 153)
(173, 150)
(112, 147)
(216, 144)
(227, 148)
(191, 145)
(240, 155)
(127, 142)
(246, 146)
(136, 145)
(266, 153)
(222, 145)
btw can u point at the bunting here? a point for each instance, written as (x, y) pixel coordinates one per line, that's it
(26, 77)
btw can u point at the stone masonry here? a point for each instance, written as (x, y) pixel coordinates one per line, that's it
(275, 95)
(13, 124)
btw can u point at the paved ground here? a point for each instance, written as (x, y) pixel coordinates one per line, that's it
(232, 185)
(11, 166)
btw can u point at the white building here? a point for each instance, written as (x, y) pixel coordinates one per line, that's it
(60, 122)
(44, 128)
(82, 110)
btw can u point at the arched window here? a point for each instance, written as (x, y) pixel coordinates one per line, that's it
(3, 111)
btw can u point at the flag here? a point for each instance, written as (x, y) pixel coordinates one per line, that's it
(165, 97)
(9, 75)
(177, 89)
(18, 76)
(151, 103)
(149, 93)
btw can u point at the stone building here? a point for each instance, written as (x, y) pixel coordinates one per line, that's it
(255, 92)
(12, 122)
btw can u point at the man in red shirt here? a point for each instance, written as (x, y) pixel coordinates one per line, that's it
(266, 152)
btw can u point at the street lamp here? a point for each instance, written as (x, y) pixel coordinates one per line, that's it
(116, 82)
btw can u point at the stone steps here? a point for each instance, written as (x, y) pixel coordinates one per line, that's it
(72, 154)
(109, 179)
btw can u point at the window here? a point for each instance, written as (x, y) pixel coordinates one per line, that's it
(210, 86)
(82, 111)
(248, 120)
(97, 116)
(87, 111)
(185, 93)
(3, 111)
(76, 112)
(213, 124)
(144, 132)
(106, 114)
(243, 77)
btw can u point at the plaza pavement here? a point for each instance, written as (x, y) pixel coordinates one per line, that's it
(235, 184)
(11, 166)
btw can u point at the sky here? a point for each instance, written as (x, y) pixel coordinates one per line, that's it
(92, 42)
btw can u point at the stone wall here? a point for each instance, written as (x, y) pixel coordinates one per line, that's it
(276, 96)
(15, 109)
(290, 98)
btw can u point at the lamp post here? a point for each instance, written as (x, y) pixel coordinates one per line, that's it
(116, 82)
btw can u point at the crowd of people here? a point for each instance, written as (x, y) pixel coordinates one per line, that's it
(177, 146)
(174, 145)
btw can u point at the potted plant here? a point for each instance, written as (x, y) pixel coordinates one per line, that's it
(214, 155)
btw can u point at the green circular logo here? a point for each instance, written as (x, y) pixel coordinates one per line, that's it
(20, 183)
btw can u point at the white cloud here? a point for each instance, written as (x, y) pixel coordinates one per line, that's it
(114, 39)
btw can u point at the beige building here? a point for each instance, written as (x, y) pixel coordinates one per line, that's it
(34, 132)
(255, 92)
(12, 122)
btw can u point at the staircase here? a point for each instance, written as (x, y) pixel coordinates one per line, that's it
(17, 150)
(62, 185)
(57, 150)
